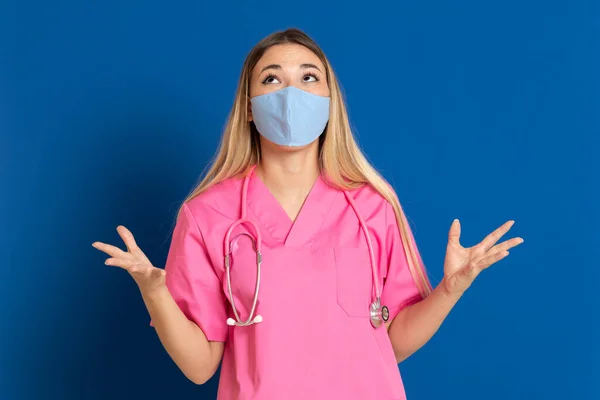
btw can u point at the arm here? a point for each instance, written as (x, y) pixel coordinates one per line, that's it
(416, 324)
(189, 311)
(186, 303)
(183, 340)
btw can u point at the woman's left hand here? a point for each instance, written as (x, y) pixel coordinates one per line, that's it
(462, 265)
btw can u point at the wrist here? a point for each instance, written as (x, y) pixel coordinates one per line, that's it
(154, 294)
(447, 290)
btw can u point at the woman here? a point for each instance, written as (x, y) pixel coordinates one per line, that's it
(292, 261)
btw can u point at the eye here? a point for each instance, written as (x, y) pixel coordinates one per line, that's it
(311, 77)
(270, 78)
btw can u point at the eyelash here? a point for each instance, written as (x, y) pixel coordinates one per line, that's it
(270, 75)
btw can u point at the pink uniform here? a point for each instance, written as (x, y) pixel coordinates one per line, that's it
(316, 340)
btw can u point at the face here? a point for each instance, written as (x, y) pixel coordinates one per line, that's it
(288, 65)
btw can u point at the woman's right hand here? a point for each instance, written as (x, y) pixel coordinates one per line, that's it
(134, 261)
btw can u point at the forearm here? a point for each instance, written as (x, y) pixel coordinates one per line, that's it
(416, 324)
(183, 340)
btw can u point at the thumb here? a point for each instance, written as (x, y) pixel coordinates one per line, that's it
(158, 273)
(454, 234)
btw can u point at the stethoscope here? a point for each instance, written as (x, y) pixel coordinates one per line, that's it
(378, 313)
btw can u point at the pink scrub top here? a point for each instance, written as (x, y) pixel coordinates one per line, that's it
(316, 340)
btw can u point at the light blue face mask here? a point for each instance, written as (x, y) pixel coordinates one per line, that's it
(290, 116)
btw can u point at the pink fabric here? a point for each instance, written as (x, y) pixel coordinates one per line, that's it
(316, 340)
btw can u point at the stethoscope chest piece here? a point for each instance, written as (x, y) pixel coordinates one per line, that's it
(379, 313)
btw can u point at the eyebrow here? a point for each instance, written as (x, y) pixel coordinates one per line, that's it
(277, 66)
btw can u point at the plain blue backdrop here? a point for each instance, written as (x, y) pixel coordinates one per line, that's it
(110, 111)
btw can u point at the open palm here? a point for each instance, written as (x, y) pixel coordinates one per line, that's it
(462, 265)
(134, 261)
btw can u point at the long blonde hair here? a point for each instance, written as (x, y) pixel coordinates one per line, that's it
(341, 160)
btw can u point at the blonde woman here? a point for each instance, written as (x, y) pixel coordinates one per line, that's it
(292, 264)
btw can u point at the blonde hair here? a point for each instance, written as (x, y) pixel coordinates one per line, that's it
(341, 160)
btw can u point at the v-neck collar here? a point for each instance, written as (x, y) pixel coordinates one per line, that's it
(277, 222)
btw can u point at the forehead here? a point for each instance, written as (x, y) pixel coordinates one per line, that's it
(288, 55)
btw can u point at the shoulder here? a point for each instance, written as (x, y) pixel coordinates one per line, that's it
(222, 200)
(369, 201)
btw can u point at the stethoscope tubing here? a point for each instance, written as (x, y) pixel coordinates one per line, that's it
(378, 313)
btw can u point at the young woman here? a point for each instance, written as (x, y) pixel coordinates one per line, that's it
(292, 262)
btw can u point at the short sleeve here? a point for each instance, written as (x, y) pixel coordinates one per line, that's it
(192, 280)
(399, 289)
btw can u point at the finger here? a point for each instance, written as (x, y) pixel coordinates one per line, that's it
(131, 244)
(454, 233)
(120, 262)
(493, 237)
(485, 262)
(506, 245)
(109, 249)
(128, 238)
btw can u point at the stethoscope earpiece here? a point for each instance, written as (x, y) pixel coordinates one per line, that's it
(232, 322)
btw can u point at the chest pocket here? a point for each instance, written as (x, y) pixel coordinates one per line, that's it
(354, 280)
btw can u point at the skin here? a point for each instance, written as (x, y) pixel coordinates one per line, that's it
(183, 340)
(289, 173)
(416, 324)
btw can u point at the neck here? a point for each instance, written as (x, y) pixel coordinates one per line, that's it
(289, 173)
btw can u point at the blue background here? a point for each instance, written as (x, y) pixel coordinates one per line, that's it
(110, 111)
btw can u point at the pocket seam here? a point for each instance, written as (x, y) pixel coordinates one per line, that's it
(339, 254)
